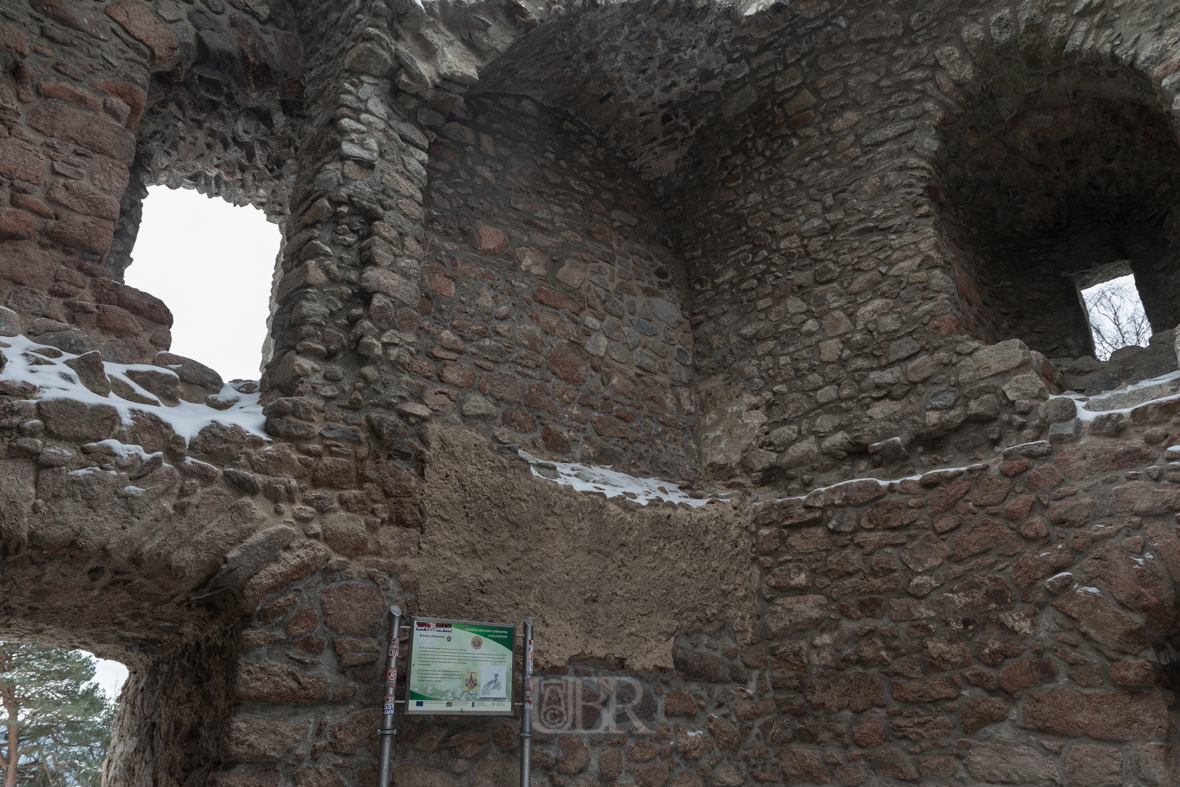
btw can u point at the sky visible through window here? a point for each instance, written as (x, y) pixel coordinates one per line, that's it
(110, 676)
(1116, 314)
(212, 264)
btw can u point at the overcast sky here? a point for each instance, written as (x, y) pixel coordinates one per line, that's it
(110, 675)
(212, 264)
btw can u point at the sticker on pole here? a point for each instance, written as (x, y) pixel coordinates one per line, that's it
(460, 667)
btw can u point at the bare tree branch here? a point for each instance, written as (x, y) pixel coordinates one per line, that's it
(1117, 318)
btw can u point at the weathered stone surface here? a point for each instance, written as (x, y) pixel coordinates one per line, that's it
(981, 593)
(1027, 672)
(1093, 766)
(190, 371)
(73, 420)
(408, 775)
(91, 372)
(1042, 563)
(679, 703)
(795, 613)
(1010, 762)
(1102, 621)
(1105, 715)
(352, 609)
(707, 667)
(992, 360)
(386, 282)
(1102, 457)
(488, 240)
(493, 770)
(906, 691)
(857, 691)
(981, 537)
(356, 732)
(982, 711)
(80, 128)
(253, 738)
(800, 765)
(1132, 584)
(855, 493)
(267, 682)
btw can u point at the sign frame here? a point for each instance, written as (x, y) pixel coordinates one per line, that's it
(510, 700)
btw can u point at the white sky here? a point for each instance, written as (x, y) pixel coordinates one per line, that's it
(110, 676)
(212, 264)
(1127, 297)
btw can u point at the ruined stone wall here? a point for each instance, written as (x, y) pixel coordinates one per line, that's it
(852, 211)
(941, 605)
(1059, 182)
(557, 310)
(916, 563)
(77, 89)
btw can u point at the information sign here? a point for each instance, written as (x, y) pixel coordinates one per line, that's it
(460, 667)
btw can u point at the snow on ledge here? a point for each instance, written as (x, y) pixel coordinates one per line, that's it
(1163, 384)
(55, 380)
(612, 483)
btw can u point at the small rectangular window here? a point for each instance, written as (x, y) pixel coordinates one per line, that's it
(1116, 315)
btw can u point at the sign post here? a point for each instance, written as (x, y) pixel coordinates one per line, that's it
(387, 731)
(459, 668)
(526, 709)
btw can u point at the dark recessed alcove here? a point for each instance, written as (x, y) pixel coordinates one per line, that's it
(1041, 198)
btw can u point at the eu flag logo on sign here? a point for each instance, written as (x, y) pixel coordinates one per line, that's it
(418, 703)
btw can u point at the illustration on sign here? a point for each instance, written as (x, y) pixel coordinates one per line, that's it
(460, 667)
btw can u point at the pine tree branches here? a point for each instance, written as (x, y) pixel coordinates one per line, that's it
(57, 725)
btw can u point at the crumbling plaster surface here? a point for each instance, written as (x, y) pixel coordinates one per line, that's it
(601, 580)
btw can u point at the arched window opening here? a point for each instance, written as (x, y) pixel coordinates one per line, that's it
(58, 708)
(213, 264)
(1052, 192)
(1114, 310)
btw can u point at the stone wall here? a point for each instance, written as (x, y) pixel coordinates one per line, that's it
(557, 310)
(799, 258)
(85, 125)
(1037, 201)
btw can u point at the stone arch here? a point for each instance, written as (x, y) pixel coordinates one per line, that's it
(262, 569)
(105, 543)
(1050, 175)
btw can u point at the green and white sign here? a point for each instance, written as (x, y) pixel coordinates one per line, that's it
(460, 667)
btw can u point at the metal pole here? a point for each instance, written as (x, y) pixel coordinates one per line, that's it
(526, 710)
(387, 731)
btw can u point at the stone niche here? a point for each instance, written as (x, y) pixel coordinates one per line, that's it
(558, 315)
(1052, 184)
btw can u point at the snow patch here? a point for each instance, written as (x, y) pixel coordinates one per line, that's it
(1087, 415)
(612, 483)
(884, 483)
(55, 380)
(126, 451)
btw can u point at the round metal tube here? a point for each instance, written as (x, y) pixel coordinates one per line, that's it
(387, 731)
(526, 708)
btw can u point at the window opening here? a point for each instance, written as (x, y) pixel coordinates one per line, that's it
(213, 264)
(58, 707)
(108, 675)
(1116, 315)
